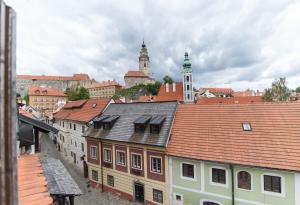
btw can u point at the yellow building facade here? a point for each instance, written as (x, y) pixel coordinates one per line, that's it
(43, 98)
(104, 90)
(124, 181)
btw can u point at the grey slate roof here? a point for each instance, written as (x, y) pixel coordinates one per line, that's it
(123, 129)
(59, 180)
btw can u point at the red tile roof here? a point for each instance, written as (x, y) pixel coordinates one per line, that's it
(32, 185)
(146, 98)
(218, 90)
(25, 113)
(105, 84)
(214, 133)
(231, 100)
(56, 78)
(132, 73)
(44, 91)
(83, 111)
(163, 95)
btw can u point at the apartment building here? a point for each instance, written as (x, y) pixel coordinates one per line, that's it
(43, 98)
(244, 154)
(72, 121)
(127, 150)
(106, 89)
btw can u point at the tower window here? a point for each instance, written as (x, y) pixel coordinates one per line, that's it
(187, 78)
(187, 87)
(188, 96)
(144, 65)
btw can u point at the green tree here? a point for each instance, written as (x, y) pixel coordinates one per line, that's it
(78, 93)
(168, 79)
(26, 98)
(278, 92)
(298, 90)
(83, 93)
(153, 88)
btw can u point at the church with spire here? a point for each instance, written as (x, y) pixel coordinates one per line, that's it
(143, 74)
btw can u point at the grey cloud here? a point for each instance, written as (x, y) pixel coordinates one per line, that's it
(234, 43)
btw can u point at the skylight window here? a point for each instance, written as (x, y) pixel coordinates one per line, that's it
(246, 126)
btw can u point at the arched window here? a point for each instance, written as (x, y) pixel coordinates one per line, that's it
(187, 87)
(187, 78)
(209, 203)
(144, 65)
(244, 180)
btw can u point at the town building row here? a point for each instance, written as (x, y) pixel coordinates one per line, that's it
(172, 153)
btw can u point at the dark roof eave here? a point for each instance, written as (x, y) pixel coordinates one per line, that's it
(232, 163)
(145, 144)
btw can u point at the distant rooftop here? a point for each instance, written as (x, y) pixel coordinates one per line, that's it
(45, 91)
(75, 77)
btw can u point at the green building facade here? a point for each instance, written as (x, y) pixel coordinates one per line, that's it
(201, 187)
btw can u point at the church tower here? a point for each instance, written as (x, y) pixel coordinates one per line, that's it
(188, 95)
(144, 60)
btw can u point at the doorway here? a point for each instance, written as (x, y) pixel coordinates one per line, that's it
(139, 192)
(85, 169)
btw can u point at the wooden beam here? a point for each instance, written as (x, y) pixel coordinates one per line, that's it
(8, 123)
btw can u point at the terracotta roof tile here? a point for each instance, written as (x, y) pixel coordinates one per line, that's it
(163, 95)
(218, 90)
(133, 73)
(32, 185)
(54, 78)
(146, 98)
(231, 100)
(44, 91)
(25, 113)
(214, 133)
(83, 111)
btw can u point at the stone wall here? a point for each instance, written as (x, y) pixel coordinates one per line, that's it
(132, 81)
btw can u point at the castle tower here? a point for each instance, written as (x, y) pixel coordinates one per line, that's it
(188, 95)
(144, 60)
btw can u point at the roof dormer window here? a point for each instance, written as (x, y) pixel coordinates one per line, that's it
(98, 121)
(94, 105)
(109, 122)
(156, 124)
(141, 122)
(246, 126)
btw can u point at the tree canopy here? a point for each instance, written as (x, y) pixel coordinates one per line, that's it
(78, 93)
(140, 89)
(278, 92)
(168, 79)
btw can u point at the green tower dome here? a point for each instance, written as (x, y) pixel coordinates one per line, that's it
(187, 66)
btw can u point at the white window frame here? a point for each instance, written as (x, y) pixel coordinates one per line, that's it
(151, 165)
(104, 155)
(91, 152)
(188, 178)
(132, 161)
(218, 184)
(92, 175)
(175, 201)
(237, 182)
(282, 194)
(118, 162)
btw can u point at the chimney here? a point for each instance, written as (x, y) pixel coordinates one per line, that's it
(167, 87)
(174, 87)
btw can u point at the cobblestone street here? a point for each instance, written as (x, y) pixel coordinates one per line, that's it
(90, 195)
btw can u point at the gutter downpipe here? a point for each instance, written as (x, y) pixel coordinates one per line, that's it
(100, 151)
(232, 183)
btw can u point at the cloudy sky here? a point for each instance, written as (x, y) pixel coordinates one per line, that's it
(239, 44)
